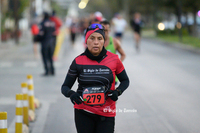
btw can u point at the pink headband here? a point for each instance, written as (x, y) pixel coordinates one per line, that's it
(89, 33)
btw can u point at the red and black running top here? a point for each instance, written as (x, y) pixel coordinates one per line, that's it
(96, 73)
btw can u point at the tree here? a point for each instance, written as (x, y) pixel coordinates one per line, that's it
(192, 6)
(185, 6)
(17, 8)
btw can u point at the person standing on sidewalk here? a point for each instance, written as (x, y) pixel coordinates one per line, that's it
(112, 44)
(46, 36)
(96, 96)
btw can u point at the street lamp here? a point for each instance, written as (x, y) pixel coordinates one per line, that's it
(161, 26)
(83, 4)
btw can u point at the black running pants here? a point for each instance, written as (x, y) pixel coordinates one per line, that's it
(91, 123)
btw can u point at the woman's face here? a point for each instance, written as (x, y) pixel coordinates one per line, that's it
(95, 43)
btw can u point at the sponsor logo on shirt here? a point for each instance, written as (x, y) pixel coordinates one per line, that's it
(97, 71)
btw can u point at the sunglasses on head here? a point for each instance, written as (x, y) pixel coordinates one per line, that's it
(94, 26)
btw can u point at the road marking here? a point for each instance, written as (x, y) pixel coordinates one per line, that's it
(7, 101)
(26, 64)
(11, 128)
(167, 124)
(58, 64)
(31, 64)
(41, 118)
(6, 64)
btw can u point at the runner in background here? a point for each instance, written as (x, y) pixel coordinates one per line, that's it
(136, 26)
(119, 25)
(73, 30)
(95, 17)
(68, 22)
(83, 24)
(112, 44)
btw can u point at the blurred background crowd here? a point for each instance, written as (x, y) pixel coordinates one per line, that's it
(165, 17)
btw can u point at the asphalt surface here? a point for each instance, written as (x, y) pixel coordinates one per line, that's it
(163, 96)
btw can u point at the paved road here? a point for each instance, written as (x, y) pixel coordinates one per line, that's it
(163, 96)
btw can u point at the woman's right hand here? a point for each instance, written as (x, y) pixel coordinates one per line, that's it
(76, 98)
(113, 94)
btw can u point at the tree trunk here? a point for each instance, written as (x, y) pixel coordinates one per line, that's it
(186, 23)
(31, 11)
(179, 19)
(155, 5)
(194, 27)
(126, 10)
(16, 22)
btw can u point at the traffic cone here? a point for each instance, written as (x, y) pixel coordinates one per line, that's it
(36, 102)
(31, 92)
(25, 103)
(19, 126)
(19, 113)
(3, 122)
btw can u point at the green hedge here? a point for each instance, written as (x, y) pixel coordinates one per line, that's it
(172, 32)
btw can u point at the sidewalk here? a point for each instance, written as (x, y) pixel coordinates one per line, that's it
(175, 45)
(10, 46)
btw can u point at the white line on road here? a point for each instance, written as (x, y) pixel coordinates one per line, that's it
(7, 100)
(6, 64)
(11, 128)
(31, 64)
(58, 64)
(41, 118)
(167, 124)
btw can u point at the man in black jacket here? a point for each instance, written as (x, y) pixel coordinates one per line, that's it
(47, 31)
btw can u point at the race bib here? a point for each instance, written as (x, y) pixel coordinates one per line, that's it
(94, 95)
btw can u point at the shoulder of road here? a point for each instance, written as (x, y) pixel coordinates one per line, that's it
(174, 44)
(151, 36)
